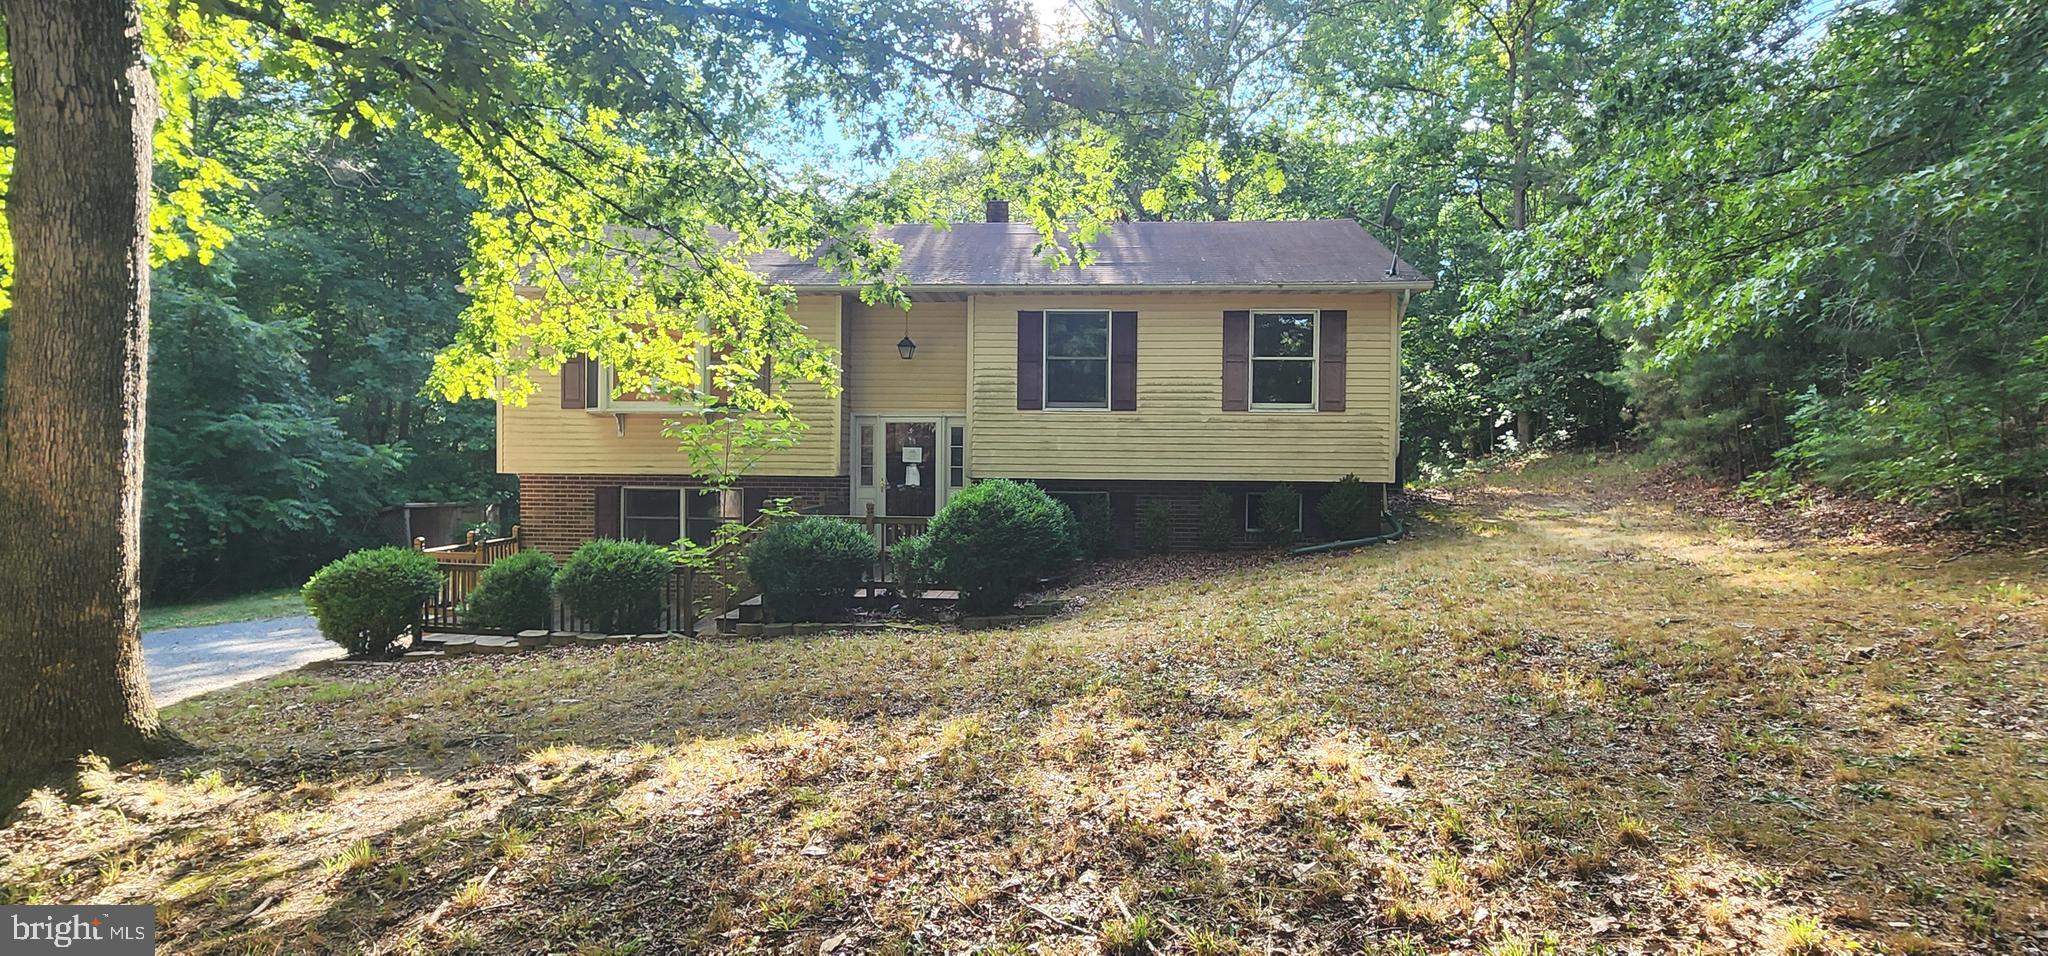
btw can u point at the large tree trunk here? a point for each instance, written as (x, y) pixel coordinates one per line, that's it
(1521, 135)
(71, 678)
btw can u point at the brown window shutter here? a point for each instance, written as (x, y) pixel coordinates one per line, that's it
(574, 372)
(1123, 361)
(767, 380)
(1030, 360)
(1237, 361)
(607, 510)
(1330, 361)
(718, 392)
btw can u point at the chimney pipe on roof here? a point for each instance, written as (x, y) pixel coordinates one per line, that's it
(998, 210)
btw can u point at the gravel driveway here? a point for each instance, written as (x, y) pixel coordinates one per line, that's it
(187, 661)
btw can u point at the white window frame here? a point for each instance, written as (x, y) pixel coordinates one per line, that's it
(956, 455)
(943, 461)
(1314, 360)
(866, 435)
(1045, 358)
(683, 516)
(607, 382)
(1300, 507)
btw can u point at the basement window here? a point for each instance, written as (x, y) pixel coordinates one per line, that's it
(1255, 507)
(665, 516)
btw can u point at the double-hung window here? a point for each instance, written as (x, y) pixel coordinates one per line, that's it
(1283, 360)
(1077, 360)
(666, 515)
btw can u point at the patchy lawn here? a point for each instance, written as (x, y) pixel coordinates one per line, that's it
(262, 605)
(1560, 715)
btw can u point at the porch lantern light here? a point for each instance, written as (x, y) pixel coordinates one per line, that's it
(906, 348)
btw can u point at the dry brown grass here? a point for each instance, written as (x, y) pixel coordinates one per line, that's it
(1555, 718)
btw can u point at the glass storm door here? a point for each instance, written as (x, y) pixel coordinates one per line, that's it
(912, 470)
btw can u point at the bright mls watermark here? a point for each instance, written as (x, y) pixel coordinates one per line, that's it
(86, 930)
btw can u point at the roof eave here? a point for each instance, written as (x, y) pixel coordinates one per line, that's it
(1391, 285)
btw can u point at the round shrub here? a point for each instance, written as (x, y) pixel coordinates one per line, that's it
(807, 568)
(1216, 523)
(997, 538)
(515, 593)
(1092, 532)
(1280, 514)
(914, 561)
(916, 569)
(1155, 525)
(1349, 509)
(364, 601)
(615, 586)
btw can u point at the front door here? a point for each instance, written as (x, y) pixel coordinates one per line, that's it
(911, 470)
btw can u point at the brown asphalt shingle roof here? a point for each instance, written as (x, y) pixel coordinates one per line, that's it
(1314, 252)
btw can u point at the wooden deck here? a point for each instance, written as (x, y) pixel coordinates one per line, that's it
(695, 600)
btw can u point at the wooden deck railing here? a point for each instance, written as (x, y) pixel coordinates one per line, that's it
(887, 530)
(690, 595)
(475, 550)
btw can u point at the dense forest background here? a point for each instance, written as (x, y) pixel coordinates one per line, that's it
(285, 405)
(1796, 244)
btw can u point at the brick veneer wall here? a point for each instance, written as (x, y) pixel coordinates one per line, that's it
(1183, 498)
(557, 513)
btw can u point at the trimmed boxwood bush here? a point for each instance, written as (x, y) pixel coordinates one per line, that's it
(915, 562)
(1092, 532)
(807, 568)
(1279, 514)
(1155, 525)
(364, 601)
(1348, 511)
(1216, 520)
(515, 593)
(615, 586)
(995, 539)
(915, 566)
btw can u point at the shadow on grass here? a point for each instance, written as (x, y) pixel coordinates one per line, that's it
(1484, 733)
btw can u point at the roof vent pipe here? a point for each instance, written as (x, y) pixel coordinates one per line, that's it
(998, 210)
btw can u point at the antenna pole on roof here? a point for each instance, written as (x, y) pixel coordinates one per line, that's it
(1391, 224)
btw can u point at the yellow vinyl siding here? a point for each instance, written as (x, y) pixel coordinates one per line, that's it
(1180, 431)
(542, 437)
(880, 382)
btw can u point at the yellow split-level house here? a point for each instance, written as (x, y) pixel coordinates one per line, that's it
(1187, 354)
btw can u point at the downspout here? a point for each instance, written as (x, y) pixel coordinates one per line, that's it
(1400, 530)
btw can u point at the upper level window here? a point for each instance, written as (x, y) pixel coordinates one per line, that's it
(1077, 360)
(1283, 360)
(605, 394)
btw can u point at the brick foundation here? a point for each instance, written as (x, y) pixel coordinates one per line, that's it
(558, 513)
(1183, 497)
